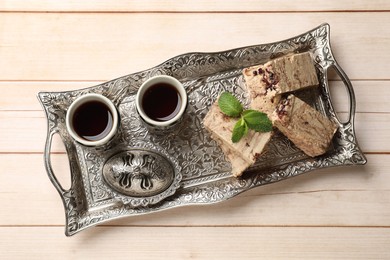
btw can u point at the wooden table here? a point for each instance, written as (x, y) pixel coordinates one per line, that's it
(53, 45)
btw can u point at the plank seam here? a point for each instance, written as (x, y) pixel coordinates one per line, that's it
(192, 12)
(207, 226)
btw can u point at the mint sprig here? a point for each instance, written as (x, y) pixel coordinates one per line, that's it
(240, 129)
(230, 105)
(249, 119)
(257, 121)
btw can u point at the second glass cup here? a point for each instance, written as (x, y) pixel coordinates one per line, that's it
(161, 102)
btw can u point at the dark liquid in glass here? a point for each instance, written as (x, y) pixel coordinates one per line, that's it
(92, 120)
(161, 102)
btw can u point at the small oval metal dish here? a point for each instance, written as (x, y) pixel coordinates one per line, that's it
(139, 172)
(141, 177)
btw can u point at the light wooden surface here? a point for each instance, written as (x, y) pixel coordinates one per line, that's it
(56, 45)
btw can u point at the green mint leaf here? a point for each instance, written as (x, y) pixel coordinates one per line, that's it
(240, 129)
(230, 105)
(257, 121)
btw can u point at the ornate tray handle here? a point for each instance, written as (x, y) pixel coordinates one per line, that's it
(70, 197)
(351, 94)
(48, 166)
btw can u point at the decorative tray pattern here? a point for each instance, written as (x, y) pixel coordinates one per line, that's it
(137, 158)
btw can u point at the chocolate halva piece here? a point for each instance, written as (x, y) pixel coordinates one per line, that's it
(266, 82)
(241, 154)
(306, 127)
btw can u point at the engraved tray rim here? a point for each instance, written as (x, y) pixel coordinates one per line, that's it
(347, 151)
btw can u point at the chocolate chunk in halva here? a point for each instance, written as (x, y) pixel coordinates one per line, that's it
(241, 154)
(306, 127)
(266, 82)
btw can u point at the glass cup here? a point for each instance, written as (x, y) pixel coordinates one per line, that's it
(161, 102)
(92, 119)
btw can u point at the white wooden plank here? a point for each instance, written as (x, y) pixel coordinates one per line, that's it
(22, 95)
(343, 196)
(197, 243)
(190, 6)
(19, 96)
(371, 96)
(373, 131)
(25, 131)
(90, 46)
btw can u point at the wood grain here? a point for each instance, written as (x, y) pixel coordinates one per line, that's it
(192, 6)
(197, 242)
(342, 196)
(65, 46)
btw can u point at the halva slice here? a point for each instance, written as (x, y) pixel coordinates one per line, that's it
(306, 127)
(266, 82)
(241, 154)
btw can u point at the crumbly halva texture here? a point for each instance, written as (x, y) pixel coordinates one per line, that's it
(241, 154)
(265, 83)
(307, 128)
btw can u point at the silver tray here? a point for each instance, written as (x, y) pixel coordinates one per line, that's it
(200, 173)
